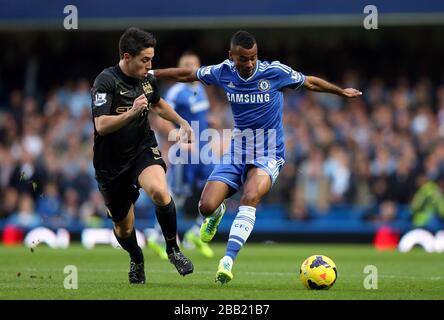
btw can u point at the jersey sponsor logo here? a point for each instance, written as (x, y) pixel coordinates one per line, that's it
(248, 97)
(99, 99)
(264, 85)
(123, 109)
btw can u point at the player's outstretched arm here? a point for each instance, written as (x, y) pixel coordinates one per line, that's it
(176, 74)
(320, 85)
(164, 110)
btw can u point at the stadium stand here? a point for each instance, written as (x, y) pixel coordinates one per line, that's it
(352, 166)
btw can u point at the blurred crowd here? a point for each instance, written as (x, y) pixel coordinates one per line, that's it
(374, 152)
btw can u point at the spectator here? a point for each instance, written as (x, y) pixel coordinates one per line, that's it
(25, 217)
(380, 148)
(9, 202)
(427, 206)
(312, 190)
(69, 212)
(384, 212)
(49, 203)
(27, 175)
(401, 184)
(93, 211)
(361, 193)
(80, 99)
(337, 169)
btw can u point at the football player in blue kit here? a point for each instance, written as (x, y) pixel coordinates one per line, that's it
(186, 178)
(254, 89)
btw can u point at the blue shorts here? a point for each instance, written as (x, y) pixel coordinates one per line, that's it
(234, 174)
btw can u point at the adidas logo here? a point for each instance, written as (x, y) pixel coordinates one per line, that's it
(231, 85)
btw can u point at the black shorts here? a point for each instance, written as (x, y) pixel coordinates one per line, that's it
(122, 192)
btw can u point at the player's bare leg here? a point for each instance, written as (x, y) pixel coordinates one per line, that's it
(257, 184)
(153, 180)
(213, 194)
(212, 206)
(126, 237)
(124, 228)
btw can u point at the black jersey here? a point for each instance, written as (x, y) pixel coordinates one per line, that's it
(113, 93)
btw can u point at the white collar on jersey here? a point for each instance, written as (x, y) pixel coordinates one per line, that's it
(250, 77)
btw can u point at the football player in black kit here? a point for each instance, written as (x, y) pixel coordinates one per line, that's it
(126, 157)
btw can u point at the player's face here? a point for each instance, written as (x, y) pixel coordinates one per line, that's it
(189, 62)
(139, 65)
(244, 59)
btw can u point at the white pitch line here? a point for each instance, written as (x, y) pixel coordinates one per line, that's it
(252, 273)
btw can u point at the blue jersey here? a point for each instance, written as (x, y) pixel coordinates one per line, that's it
(257, 102)
(191, 102)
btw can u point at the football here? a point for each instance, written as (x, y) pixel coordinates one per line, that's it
(318, 272)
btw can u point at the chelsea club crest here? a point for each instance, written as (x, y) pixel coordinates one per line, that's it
(264, 85)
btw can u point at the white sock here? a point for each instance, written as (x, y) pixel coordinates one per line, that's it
(240, 230)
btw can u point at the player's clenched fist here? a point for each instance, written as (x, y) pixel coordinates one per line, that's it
(185, 133)
(139, 105)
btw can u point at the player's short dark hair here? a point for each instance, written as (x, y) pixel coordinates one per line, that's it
(188, 53)
(243, 39)
(134, 40)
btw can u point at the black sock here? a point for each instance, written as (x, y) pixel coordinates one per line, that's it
(166, 216)
(131, 246)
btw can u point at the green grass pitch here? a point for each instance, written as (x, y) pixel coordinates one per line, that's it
(262, 272)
